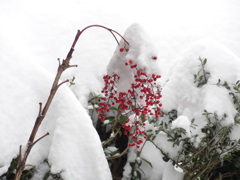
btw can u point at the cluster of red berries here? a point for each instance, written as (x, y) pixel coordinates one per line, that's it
(109, 92)
(135, 129)
(123, 49)
(142, 100)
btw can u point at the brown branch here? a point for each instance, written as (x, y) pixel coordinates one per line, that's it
(20, 155)
(110, 30)
(111, 138)
(59, 62)
(73, 66)
(40, 139)
(228, 174)
(42, 112)
(62, 83)
(40, 109)
(120, 155)
(113, 129)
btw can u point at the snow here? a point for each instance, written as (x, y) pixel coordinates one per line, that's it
(181, 93)
(171, 173)
(34, 34)
(75, 138)
(155, 157)
(141, 51)
(182, 122)
(72, 135)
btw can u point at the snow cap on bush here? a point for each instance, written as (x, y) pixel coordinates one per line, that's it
(141, 51)
(182, 94)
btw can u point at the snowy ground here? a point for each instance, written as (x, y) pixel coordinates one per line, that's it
(34, 34)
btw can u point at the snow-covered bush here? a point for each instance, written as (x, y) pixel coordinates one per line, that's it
(194, 131)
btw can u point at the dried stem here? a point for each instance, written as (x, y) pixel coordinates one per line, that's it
(42, 112)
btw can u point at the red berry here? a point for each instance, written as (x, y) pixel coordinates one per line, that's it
(121, 49)
(154, 57)
(130, 61)
(133, 66)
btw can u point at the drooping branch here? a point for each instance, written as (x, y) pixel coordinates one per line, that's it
(100, 26)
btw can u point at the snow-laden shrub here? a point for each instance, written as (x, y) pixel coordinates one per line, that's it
(194, 131)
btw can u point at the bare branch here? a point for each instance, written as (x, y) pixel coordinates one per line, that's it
(20, 154)
(40, 138)
(40, 109)
(43, 110)
(62, 83)
(120, 155)
(59, 62)
(70, 66)
(110, 139)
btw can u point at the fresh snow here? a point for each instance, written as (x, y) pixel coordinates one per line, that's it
(182, 122)
(72, 135)
(141, 51)
(34, 34)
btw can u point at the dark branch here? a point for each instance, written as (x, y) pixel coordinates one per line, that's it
(40, 138)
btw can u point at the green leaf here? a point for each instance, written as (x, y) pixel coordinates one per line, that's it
(149, 136)
(122, 119)
(195, 76)
(149, 163)
(132, 106)
(120, 133)
(111, 118)
(72, 81)
(235, 88)
(141, 171)
(192, 121)
(150, 130)
(204, 61)
(237, 163)
(199, 72)
(113, 108)
(154, 137)
(46, 176)
(139, 175)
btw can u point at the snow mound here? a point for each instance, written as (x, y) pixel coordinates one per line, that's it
(182, 122)
(181, 93)
(73, 146)
(141, 50)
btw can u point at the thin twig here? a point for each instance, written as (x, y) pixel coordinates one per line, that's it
(70, 66)
(20, 155)
(110, 139)
(63, 83)
(40, 138)
(40, 109)
(120, 155)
